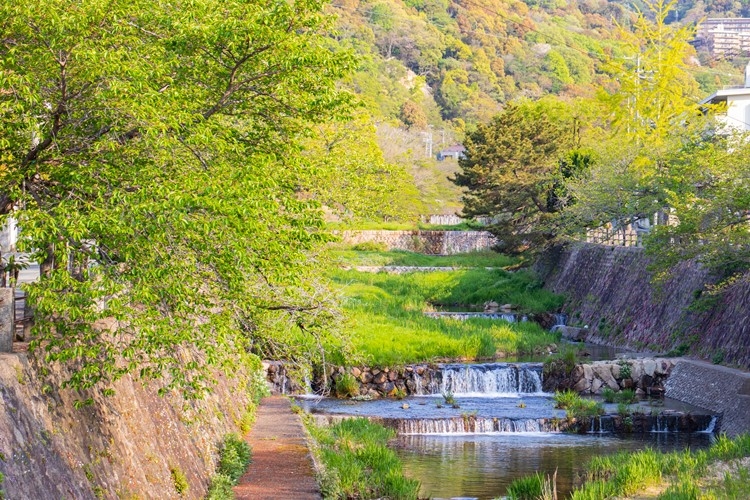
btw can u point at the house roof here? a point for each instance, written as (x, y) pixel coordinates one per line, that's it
(721, 95)
(456, 148)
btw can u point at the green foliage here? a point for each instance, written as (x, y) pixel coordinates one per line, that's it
(371, 254)
(179, 481)
(357, 462)
(626, 474)
(625, 369)
(509, 167)
(608, 395)
(566, 399)
(346, 386)
(220, 488)
(234, 457)
(625, 396)
(386, 313)
(526, 488)
(623, 410)
(150, 150)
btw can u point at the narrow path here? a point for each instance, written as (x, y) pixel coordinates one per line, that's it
(282, 467)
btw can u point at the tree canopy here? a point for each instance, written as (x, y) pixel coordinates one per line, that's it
(151, 153)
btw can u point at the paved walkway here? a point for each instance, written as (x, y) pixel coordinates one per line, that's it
(282, 467)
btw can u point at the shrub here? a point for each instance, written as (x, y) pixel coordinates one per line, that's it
(179, 480)
(608, 395)
(625, 396)
(623, 410)
(234, 458)
(220, 488)
(346, 386)
(625, 369)
(566, 399)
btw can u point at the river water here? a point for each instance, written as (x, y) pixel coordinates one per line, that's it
(500, 428)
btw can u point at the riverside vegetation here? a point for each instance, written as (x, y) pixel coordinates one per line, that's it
(386, 311)
(354, 461)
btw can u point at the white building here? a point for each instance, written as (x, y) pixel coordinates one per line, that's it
(736, 116)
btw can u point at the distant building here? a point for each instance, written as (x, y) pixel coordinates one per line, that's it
(456, 151)
(727, 37)
(737, 99)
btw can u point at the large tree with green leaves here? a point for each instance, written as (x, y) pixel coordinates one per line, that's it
(150, 151)
(511, 166)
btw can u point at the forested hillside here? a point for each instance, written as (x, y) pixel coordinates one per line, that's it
(437, 68)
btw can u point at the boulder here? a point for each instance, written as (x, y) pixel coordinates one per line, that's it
(649, 367)
(356, 372)
(572, 332)
(379, 378)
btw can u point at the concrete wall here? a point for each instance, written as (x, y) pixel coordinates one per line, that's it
(428, 242)
(609, 289)
(714, 388)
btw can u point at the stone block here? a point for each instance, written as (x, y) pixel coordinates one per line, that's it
(379, 378)
(649, 367)
(356, 372)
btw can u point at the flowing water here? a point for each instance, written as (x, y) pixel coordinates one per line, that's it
(501, 427)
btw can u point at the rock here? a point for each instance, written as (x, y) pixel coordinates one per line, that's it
(616, 371)
(420, 370)
(649, 367)
(405, 406)
(373, 394)
(645, 382)
(410, 369)
(627, 383)
(588, 373)
(379, 378)
(640, 392)
(596, 386)
(356, 372)
(393, 376)
(500, 355)
(375, 371)
(605, 374)
(506, 308)
(491, 306)
(582, 385)
(572, 333)
(366, 377)
(578, 373)
(411, 386)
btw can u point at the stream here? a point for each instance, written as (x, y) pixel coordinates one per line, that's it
(500, 428)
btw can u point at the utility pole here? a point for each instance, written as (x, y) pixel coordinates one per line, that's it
(428, 143)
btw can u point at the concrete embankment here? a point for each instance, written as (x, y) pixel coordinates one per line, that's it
(715, 388)
(610, 290)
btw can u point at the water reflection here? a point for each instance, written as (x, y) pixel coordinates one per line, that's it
(483, 466)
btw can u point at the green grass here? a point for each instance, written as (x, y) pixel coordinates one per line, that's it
(357, 462)
(626, 474)
(576, 406)
(389, 328)
(374, 257)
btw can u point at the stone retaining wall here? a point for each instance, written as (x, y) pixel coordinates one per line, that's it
(427, 242)
(609, 289)
(646, 376)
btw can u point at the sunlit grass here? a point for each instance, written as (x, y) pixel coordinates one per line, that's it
(386, 315)
(351, 257)
(684, 473)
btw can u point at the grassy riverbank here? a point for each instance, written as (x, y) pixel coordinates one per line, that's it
(386, 313)
(721, 472)
(374, 257)
(354, 461)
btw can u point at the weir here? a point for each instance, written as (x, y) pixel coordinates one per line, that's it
(486, 379)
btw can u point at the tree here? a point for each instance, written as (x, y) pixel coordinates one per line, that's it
(510, 166)
(150, 153)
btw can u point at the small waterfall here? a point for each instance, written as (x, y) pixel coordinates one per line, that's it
(560, 319)
(711, 426)
(470, 424)
(510, 318)
(485, 379)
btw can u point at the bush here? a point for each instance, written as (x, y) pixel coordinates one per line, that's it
(220, 488)
(234, 458)
(566, 399)
(346, 386)
(608, 395)
(179, 480)
(625, 396)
